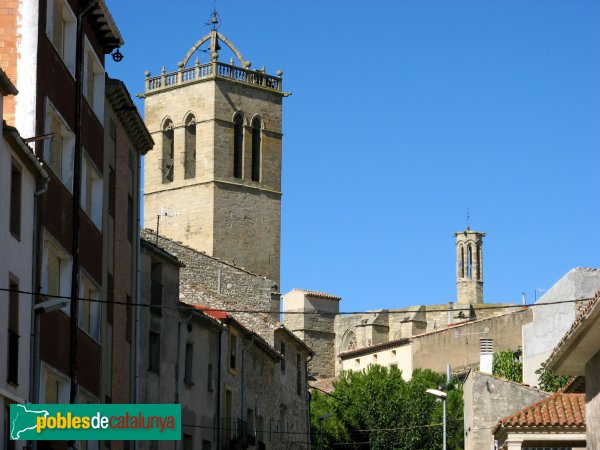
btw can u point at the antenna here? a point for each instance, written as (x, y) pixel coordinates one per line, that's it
(166, 213)
(468, 217)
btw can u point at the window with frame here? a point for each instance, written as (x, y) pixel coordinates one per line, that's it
(189, 360)
(154, 352)
(298, 373)
(15, 200)
(256, 148)
(93, 81)
(238, 143)
(232, 351)
(12, 372)
(61, 29)
(56, 271)
(59, 151)
(156, 287)
(189, 160)
(168, 152)
(282, 351)
(91, 191)
(209, 380)
(89, 310)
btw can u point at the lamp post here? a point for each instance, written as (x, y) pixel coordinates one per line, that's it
(321, 419)
(442, 396)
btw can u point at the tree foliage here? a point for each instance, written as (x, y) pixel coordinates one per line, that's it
(549, 381)
(377, 409)
(507, 365)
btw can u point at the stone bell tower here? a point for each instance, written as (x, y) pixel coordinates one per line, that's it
(469, 266)
(213, 180)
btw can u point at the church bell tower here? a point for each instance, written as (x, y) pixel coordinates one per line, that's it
(469, 266)
(213, 180)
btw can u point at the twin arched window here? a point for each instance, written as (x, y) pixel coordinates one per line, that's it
(238, 147)
(168, 152)
(168, 149)
(189, 160)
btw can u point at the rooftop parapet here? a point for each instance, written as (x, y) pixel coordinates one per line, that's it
(213, 70)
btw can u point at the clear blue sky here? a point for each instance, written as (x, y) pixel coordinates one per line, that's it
(403, 115)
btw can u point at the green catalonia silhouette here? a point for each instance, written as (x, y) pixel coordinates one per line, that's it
(24, 419)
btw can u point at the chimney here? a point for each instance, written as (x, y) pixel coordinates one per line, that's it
(450, 311)
(486, 357)
(524, 298)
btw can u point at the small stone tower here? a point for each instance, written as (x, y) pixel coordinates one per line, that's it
(311, 316)
(213, 181)
(469, 266)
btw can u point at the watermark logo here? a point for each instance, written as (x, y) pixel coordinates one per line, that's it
(95, 422)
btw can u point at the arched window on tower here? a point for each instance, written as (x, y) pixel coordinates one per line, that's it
(469, 262)
(256, 142)
(479, 261)
(462, 262)
(238, 142)
(189, 161)
(167, 152)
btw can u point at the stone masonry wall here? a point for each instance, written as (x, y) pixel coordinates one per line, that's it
(208, 281)
(489, 399)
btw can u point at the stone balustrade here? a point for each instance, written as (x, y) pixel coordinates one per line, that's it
(212, 70)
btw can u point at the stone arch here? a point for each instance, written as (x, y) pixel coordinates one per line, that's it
(260, 119)
(215, 34)
(187, 116)
(348, 341)
(240, 113)
(167, 123)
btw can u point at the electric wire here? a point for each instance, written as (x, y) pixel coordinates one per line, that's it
(208, 309)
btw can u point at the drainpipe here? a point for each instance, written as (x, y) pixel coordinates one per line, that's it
(34, 382)
(309, 436)
(136, 339)
(218, 425)
(243, 365)
(177, 365)
(74, 310)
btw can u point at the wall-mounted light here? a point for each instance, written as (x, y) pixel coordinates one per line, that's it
(117, 56)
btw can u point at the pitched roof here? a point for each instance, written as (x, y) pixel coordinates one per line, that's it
(319, 294)
(586, 316)
(559, 410)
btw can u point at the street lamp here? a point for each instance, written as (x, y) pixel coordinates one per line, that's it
(441, 395)
(321, 419)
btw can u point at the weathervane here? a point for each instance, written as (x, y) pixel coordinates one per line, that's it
(468, 227)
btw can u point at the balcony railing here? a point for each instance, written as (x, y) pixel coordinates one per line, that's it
(211, 71)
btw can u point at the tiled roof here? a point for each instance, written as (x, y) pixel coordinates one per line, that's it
(319, 294)
(589, 310)
(560, 410)
(214, 313)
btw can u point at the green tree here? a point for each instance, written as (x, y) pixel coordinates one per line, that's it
(508, 365)
(549, 381)
(377, 409)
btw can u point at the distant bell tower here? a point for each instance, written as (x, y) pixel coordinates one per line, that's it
(217, 161)
(469, 266)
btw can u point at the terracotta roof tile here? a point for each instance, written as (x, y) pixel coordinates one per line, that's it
(319, 294)
(591, 307)
(214, 313)
(559, 410)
